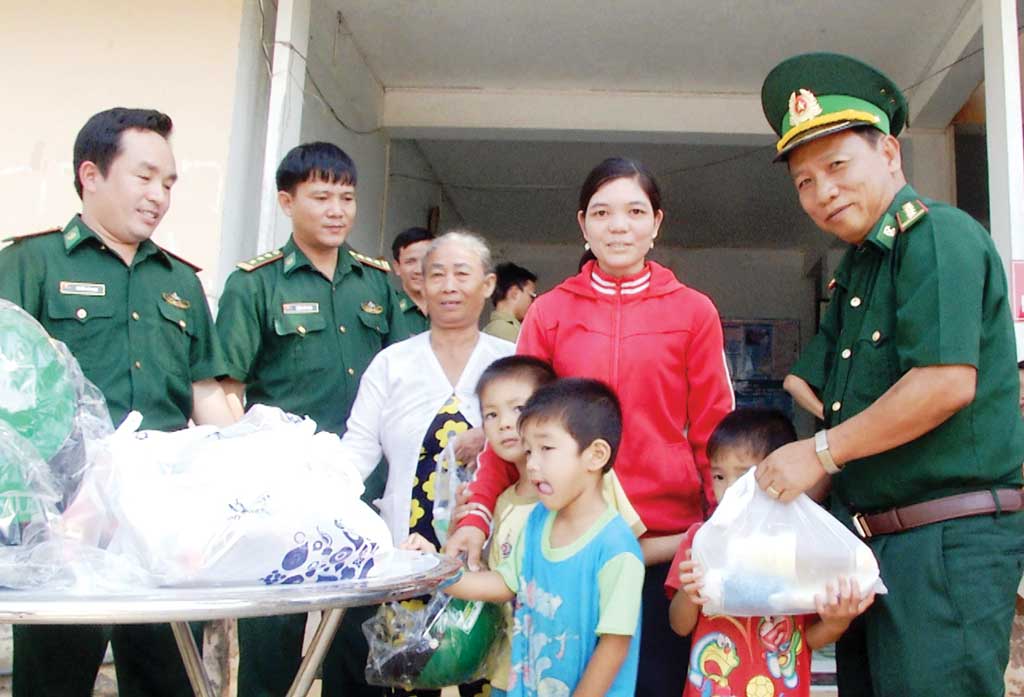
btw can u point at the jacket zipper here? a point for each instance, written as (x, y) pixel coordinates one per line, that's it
(616, 338)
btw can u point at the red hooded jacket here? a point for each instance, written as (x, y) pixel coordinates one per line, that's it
(659, 345)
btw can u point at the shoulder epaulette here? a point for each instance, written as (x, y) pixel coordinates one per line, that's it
(909, 213)
(378, 263)
(184, 261)
(19, 238)
(260, 260)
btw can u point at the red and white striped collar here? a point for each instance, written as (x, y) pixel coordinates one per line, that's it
(627, 285)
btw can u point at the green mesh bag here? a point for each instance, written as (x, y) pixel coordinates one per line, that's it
(433, 645)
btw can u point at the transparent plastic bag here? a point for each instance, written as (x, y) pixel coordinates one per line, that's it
(451, 474)
(47, 400)
(433, 644)
(764, 557)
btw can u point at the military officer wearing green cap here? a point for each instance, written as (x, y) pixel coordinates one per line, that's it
(914, 374)
(136, 318)
(408, 249)
(299, 325)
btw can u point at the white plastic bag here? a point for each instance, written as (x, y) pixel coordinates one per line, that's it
(764, 557)
(266, 500)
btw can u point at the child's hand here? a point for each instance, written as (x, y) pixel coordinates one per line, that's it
(418, 543)
(842, 602)
(691, 579)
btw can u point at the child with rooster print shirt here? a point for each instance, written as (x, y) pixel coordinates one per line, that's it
(751, 656)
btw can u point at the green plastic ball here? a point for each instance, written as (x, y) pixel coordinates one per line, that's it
(37, 396)
(469, 630)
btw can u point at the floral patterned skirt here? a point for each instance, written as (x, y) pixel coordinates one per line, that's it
(448, 424)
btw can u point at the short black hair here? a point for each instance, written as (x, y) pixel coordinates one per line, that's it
(407, 237)
(99, 141)
(869, 133)
(510, 276)
(759, 431)
(587, 409)
(324, 161)
(530, 368)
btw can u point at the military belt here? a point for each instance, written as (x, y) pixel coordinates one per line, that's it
(935, 511)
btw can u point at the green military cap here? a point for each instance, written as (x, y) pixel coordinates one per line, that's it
(816, 94)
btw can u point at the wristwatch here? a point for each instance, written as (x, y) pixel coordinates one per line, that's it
(824, 454)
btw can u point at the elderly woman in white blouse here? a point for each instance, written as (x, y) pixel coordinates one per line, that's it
(418, 394)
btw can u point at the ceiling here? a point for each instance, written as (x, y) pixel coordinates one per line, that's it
(524, 187)
(719, 46)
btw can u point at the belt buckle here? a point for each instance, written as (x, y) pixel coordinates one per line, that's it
(861, 526)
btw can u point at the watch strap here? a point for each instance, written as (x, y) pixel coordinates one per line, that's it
(824, 454)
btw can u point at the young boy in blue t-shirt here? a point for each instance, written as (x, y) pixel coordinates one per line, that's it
(576, 571)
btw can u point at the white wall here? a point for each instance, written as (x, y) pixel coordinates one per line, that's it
(67, 60)
(337, 66)
(410, 198)
(246, 140)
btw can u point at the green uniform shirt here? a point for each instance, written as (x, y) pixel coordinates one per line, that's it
(142, 333)
(503, 325)
(925, 288)
(300, 341)
(415, 321)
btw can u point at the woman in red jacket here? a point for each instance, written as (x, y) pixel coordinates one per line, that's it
(629, 322)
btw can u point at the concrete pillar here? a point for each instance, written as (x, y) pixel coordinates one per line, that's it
(284, 118)
(1005, 149)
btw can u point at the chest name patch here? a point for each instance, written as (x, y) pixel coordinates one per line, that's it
(300, 308)
(82, 288)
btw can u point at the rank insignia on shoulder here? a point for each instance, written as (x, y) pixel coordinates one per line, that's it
(380, 264)
(176, 300)
(372, 308)
(260, 260)
(909, 213)
(28, 235)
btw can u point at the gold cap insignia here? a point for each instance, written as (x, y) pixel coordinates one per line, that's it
(176, 300)
(803, 106)
(372, 307)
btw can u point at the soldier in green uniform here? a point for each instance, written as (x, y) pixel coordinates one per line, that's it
(299, 325)
(914, 373)
(408, 249)
(135, 316)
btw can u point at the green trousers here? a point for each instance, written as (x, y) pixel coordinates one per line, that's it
(944, 626)
(62, 660)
